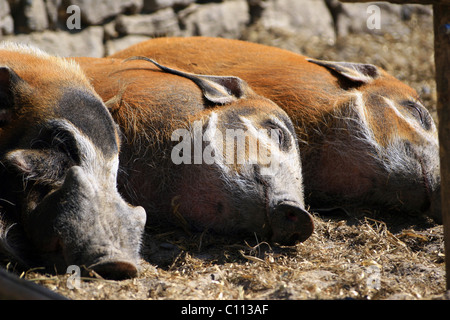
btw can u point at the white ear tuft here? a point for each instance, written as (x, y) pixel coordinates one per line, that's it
(358, 72)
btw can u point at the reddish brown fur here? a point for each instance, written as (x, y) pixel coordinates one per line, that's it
(274, 73)
(44, 74)
(316, 98)
(149, 105)
(129, 89)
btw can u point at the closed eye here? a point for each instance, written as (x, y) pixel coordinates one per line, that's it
(418, 112)
(278, 135)
(416, 109)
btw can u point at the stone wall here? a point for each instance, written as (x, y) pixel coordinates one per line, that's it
(100, 27)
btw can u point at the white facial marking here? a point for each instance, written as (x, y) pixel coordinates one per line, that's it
(412, 122)
(92, 160)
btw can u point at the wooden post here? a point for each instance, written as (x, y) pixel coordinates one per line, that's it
(441, 16)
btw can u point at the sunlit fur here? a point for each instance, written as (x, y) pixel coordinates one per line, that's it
(366, 140)
(61, 69)
(59, 202)
(149, 105)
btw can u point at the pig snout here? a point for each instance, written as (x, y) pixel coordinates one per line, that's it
(97, 228)
(115, 269)
(290, 223)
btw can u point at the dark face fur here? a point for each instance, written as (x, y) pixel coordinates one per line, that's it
(60, 162)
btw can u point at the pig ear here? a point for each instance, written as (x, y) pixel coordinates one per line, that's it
(217, 89)
(220, 89)
(358, 72)
(8, 80)
(113, 103)
(34, 164)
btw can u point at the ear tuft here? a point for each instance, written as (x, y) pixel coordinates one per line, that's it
(358, 72)
(216, 89)
(113, 103)
(21, 159)
(35, 164)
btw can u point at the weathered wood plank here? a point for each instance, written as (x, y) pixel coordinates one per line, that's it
(441, 14)
(15, 288)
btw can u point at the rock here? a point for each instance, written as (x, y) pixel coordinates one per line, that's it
(6, 25)
(88, 42)
(133, 6)
(377, 18)
(30, 16)
(112, 46)
(52, 7)
(226, 19)
(155, 5)
(6, 21)
(96, 12)
(162, 22)
(408, 10)
(110, 30)
(307, 17)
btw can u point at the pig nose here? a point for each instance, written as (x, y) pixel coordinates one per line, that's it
(115, 269)
(291, 223)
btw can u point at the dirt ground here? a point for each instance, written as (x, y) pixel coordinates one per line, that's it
(358, 255)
